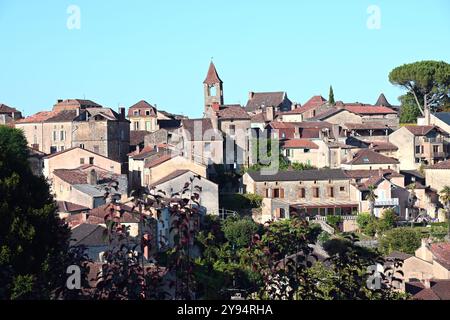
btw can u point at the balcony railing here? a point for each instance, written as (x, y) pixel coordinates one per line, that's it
(386, 202)
(439, 154)
(433, 140)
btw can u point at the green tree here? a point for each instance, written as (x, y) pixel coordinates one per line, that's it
(331, 96)
(33, 240)
(409, 111)
(427, 81)
(285, 237)
(444, 195)
(363, 219)
(403, 239)
(388, 220)
(239, 231)
(299, 166)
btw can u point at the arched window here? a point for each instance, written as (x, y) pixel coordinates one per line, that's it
(212, 91)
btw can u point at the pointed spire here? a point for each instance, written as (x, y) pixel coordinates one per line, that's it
(212, 77)
(382, 101)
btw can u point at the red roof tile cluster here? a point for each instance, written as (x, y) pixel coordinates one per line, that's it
(264, 99)
(368, 109)
(441, 252)
(157, 160)
(364, 174)
(366, 126)
(126, 213)
(383, 146)
(314, 102)
(300, 144)
(142, 106)
(439, 289)
(235, 112)
(64, 206)
(367, 156)
(283, 125)
(6, 109)
(212, 76)
(79, 175)
(38, 117)
(443, 165)
(420, 130)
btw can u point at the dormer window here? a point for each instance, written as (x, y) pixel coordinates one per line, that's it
(147, 112)
(136, 112)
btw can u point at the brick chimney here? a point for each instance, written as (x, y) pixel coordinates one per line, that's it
(122, 113)
(250, 95)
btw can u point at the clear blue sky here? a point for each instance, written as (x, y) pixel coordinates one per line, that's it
(160, 50)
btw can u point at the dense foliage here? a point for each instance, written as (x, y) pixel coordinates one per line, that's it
(33, 241)
(428, 82)
(403, 239)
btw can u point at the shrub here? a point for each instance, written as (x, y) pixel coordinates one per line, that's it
(403, 239)
(254, 200)
(388, 221)
(239, 231)
(368, 224)
(334, 221)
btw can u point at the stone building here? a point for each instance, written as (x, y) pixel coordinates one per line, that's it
(9, 115)
(143, 117)
(212, 88)
(74, 124)
(314, 192)
(419, 145)
(75, 157)
(86, 185)
(259, 101)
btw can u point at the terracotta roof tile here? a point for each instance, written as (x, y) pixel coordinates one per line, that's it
(364, 174)
(142, 106)
(426, 294)
(368, 109)
(420, 130)
(382, 101)
(128, 215)
(6, 109)
(233, 112)
(440, 165)
(300, 143)
(441, 252)
(367, 156)
(212, 76)
(38, 117)
(264, 99)
(383, 146)
(79, 175)
(366, 126)
(314, 102)
(157, 160)
(65, 206)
